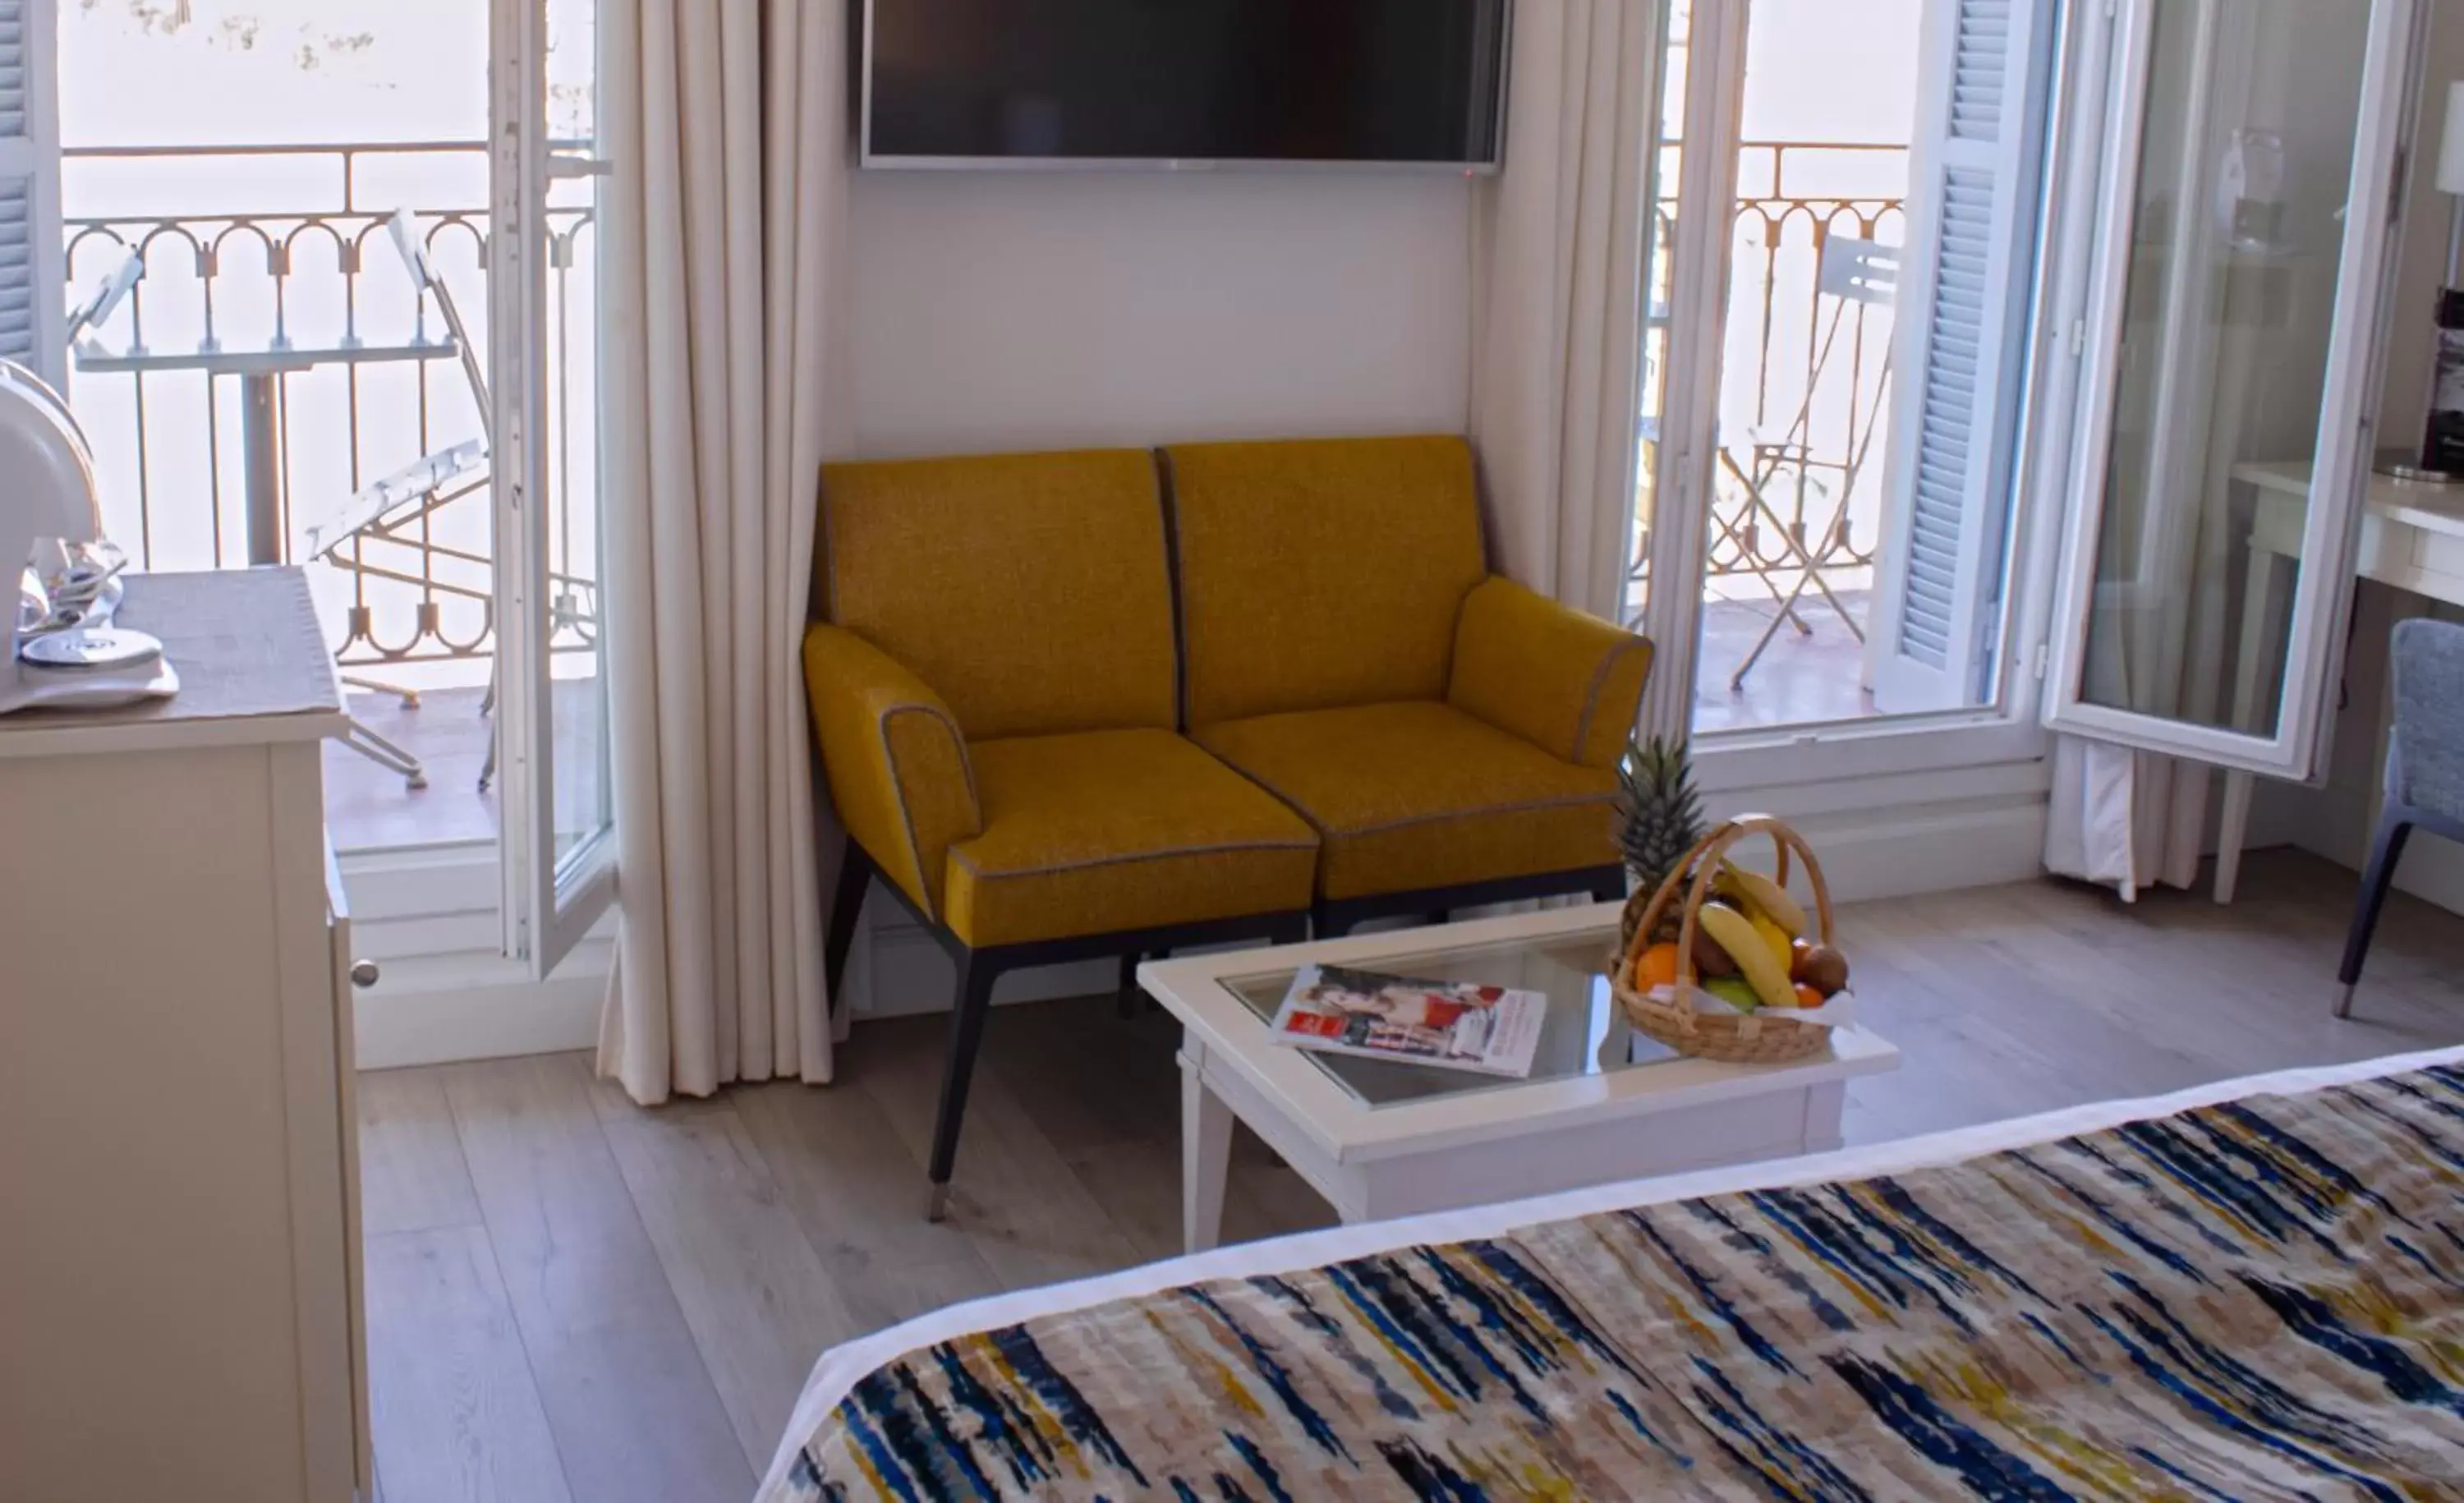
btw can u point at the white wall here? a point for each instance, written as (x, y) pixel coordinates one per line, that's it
(1028, 310)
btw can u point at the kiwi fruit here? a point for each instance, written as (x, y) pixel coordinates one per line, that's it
(1823, 968)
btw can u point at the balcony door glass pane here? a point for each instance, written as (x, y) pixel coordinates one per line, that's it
(575, 621)
(2238, 226)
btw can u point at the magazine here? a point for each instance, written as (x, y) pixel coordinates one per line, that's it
(1493, 1031)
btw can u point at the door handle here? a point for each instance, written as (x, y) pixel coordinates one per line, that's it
(572, 164)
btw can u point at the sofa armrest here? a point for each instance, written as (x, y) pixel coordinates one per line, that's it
(897, 761)
(1568, 683)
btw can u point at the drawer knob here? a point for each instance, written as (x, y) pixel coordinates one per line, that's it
(363, 974)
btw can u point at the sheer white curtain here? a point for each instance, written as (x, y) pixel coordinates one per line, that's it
(1559, 252)
(726, 122)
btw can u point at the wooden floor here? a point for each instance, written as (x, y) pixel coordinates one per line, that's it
(570, 1298)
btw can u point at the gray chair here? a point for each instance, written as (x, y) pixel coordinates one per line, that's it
(2425, 773)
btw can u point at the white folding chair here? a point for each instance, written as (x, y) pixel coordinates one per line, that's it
(389, 509)
(1854, 275)
(112, 286)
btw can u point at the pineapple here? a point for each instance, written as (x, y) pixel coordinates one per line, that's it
(1659, 818)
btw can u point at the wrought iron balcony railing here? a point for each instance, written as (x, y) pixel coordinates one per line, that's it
(1793, 198)
(286, 247)
(253, 245)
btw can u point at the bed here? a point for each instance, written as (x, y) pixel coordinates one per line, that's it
(2251, 1289)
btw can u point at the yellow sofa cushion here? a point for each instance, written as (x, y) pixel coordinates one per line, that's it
(1321, 573)
(1565, 682)
(1031, 591)
(1422, 795)
(1109, 831)
(896, 762)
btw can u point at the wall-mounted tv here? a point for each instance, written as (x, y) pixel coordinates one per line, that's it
(1183, 83)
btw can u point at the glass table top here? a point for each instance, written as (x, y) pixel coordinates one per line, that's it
(1586, 1032)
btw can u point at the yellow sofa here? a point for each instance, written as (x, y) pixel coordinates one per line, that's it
(1063, 715)
(1451, 735)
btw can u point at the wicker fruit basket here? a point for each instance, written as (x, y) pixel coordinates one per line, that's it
(1669, 1013)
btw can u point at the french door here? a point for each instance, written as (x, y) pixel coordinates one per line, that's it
(2137, 306)
(2251, 185)
(558, 843)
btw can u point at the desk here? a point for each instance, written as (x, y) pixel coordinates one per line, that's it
(2412, 540)
(260, 371)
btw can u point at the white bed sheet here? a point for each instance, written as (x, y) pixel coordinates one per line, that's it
(842, 1367)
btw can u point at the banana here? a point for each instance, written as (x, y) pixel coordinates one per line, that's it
(1779, 942)
(1734, 933)
(1759, 893)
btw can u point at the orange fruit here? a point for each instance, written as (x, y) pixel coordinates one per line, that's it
(1655, 966)
(1808, 997)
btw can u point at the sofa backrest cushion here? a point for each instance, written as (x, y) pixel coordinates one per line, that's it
(1321, 573)
(1031, 591)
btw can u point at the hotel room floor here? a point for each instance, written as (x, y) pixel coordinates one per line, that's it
(570, 1298)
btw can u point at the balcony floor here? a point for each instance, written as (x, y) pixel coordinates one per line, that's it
(1800, 680)
(368, 808)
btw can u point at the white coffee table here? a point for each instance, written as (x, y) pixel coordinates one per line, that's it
(1380, 1139)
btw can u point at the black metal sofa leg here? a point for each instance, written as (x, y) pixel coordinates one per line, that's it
(975, 977)
(2395, 829)
(847, 906)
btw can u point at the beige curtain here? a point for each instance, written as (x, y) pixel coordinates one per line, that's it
(1558, 251)
(726, 120)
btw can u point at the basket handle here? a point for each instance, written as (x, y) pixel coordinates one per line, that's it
(1695, 874)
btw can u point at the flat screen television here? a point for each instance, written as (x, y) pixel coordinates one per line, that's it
(1183, 83)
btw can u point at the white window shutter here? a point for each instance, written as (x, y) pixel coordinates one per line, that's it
(1959, 355)
(33, 283)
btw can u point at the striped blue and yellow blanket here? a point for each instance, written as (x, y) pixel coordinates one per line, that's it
(2261, 1299)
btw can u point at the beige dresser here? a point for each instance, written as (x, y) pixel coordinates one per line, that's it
(179, 1219)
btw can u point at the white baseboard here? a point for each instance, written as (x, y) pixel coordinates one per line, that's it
(1891, 836)
(1934, 849)
(2334, 822)
(439, 1010)
(2431, 870)
(424, 883)
(2338, 827)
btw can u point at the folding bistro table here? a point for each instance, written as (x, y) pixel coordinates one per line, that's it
(260, 371)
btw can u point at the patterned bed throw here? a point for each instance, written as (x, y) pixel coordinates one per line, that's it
(2263, 1299)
